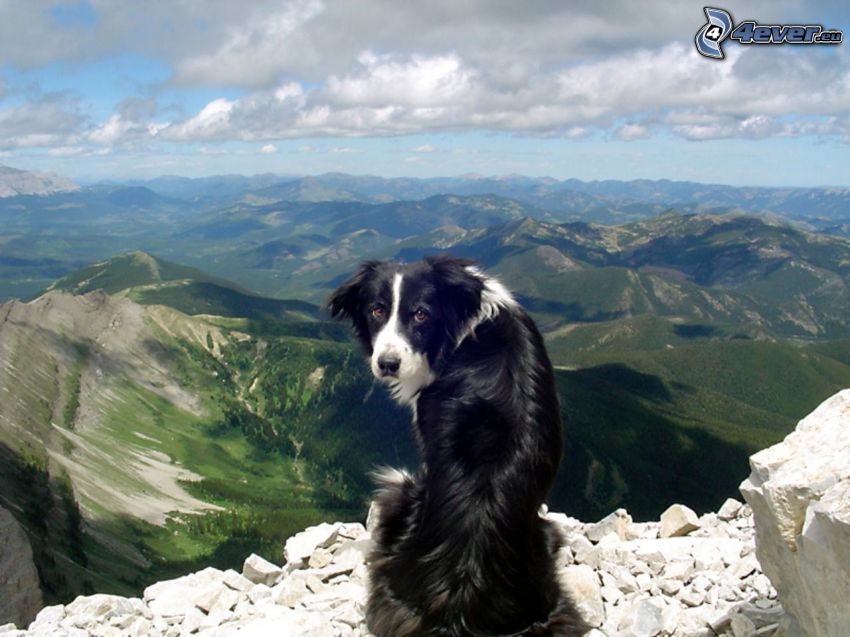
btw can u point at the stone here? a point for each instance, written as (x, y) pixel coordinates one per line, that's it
(799, 491)
(20, 593)
(581, 582)
(729, 509)
(260, 571)
(647, 619)
(237, 582)
(678, 520)
(301, 546)
(688, 586)
(617, 522)
(742, 626)
(49, 615)
(290, 591)
(320, 558)
(217, 598)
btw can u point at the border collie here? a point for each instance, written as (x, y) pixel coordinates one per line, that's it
(460, 549)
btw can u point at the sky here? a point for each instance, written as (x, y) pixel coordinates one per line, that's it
(125, 89)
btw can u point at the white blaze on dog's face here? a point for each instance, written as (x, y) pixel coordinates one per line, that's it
(395, 358)
(411, 318)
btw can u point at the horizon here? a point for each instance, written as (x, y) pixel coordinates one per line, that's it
(86, 183)
(122, 91)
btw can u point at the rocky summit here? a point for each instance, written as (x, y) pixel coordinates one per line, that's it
(682, 576)
(689, 577)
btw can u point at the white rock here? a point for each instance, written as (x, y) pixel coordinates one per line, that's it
(799, 491)
(730, 509)
(617, 522)
(581, 582)
(173, 598)
(192, 621)
(320, 558)
(301, 546)
(584, 551)
(48, 615)
(678, 520)
(260, 571)
(742, 626)
(647, 619)
(237, 582)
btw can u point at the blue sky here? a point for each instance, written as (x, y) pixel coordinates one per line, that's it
(99, 89)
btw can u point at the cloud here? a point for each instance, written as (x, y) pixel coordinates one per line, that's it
(308, 68)
(424, 148)
(632, 131)
(45, 120)
(669, 88)
(255, 52)
(268, 149)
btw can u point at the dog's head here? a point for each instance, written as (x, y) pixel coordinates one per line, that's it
(410, 317)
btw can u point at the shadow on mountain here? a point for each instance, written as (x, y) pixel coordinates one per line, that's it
(623, 449)
(695, 331)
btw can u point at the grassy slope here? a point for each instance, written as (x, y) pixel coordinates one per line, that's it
(646, 428)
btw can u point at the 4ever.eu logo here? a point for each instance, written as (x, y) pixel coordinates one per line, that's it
(720, 26)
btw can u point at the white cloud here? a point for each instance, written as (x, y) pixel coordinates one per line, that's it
(268, 149)
(306, 68)
(424, 148)
(49, 120)
(255, 52)
(632, 131)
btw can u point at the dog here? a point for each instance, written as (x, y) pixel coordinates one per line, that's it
(460, 547)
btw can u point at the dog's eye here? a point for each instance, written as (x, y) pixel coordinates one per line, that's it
(420, 315)
(378, 311)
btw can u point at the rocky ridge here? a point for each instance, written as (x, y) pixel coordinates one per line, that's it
(20, 595)
(681, 576)
(14, 182)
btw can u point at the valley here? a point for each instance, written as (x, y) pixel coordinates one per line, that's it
(173, 395)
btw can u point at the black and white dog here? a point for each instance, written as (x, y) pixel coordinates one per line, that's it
(461, 550)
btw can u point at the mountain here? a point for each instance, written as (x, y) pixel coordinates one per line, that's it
(608, 201)
(152, 281)
(14, 182)
(147, 438)
(143, 440)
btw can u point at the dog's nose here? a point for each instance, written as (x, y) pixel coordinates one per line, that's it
(389, 365)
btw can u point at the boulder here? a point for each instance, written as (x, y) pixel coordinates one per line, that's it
(301, 546)
(582, 584)
(20, 594)
(799, 491)
(617, 523)
(260, 571)
(678, 520)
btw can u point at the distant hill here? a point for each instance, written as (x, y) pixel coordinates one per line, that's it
(606, 201)
(14, 182)
(151, 281)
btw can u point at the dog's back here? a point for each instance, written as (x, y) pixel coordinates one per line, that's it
(460, 548)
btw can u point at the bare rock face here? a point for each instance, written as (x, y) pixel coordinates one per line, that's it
(799, 491)
(20, 595)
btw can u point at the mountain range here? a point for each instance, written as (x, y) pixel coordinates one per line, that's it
(179, 398)
(15, 183)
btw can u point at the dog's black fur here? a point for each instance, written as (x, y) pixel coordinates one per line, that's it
(461, 550)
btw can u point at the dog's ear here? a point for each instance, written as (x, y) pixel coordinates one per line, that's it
(459, 286)
(347, 300)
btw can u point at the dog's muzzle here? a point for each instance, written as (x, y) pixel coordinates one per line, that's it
(388, 364)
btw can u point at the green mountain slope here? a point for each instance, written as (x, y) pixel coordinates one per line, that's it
(678, 424)
(162, 441)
